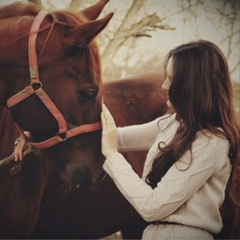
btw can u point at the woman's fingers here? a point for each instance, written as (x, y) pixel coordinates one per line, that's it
(15, 153)
(18, 149)
(19, 146)
(107, 119)
(103, 118)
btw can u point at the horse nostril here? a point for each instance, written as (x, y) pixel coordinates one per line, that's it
(82, 178)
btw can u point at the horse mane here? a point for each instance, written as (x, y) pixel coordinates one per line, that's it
(19, 9)
(64, 17)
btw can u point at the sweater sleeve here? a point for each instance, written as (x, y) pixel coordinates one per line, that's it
(137, 137)
(178, 185)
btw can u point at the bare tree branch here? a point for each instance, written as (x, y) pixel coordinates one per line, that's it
(38, 2)
(76, 4)
(147, 24)
(119, 37)
(139, 29)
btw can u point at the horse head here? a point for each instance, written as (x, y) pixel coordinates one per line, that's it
(64, 103)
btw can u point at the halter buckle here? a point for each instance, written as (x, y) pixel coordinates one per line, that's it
(33, 72)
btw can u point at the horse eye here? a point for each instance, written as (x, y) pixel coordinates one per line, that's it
(88, 95)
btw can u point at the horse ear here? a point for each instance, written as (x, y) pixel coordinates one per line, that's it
(95, 10)
(82, 35)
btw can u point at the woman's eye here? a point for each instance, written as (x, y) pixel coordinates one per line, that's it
(87, 95)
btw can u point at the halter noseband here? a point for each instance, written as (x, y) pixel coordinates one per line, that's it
(29, 90)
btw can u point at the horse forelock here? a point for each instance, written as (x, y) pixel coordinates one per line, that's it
(67, 17)
(72, 19)
(95, 62)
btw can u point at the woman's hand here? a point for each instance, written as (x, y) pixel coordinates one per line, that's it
(109, 133)
(19, 145)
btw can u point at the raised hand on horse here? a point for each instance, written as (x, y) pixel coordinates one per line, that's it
(109, 134)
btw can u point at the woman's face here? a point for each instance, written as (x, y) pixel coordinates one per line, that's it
(168, 81)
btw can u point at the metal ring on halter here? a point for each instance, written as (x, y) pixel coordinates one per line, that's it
(63, 136)
(17, 141)
(33, 84)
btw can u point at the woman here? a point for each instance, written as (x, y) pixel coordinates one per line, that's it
(191, 151)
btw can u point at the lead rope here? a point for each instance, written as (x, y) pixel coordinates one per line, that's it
(16, 165)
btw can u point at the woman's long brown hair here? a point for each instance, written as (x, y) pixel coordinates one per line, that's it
(202, 97)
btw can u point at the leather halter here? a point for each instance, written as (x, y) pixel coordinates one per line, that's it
(42, 95)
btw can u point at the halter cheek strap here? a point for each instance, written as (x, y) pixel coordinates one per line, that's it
(32, 52)
(63, 133)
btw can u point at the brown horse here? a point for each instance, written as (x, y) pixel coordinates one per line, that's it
(50, 81)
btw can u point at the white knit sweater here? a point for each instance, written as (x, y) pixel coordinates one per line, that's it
(188, 195)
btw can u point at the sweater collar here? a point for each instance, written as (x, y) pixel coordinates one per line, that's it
(166, 121)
